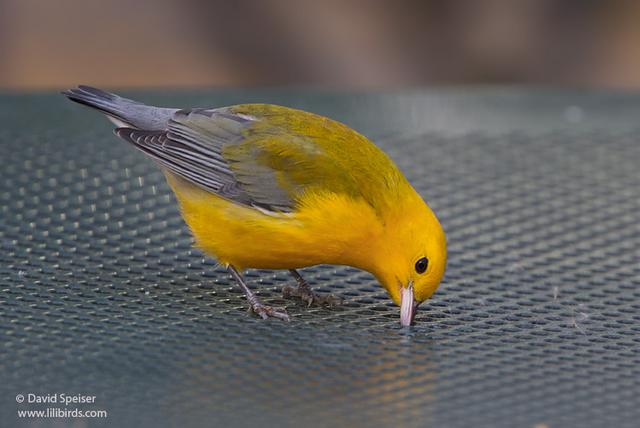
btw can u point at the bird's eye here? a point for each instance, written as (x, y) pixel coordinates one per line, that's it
(422, 264)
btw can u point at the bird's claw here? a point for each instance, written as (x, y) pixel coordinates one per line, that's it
(310, 297)
(266, 311)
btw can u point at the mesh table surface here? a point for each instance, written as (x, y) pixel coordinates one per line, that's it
(535, 323)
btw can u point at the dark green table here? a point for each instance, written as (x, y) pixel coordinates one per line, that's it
(536, 323)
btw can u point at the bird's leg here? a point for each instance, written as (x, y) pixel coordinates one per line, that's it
(306, 294)
(255, 305)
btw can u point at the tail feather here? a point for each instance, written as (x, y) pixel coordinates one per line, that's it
(123, 112)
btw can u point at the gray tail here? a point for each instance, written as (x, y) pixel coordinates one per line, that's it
(121, 111)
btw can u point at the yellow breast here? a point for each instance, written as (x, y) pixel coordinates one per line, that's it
(326, 229)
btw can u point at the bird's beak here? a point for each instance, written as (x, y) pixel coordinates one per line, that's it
(408, 305)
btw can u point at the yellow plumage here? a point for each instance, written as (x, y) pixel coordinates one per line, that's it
(264, 186)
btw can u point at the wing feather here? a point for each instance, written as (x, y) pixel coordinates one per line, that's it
(267, 160)
(192, 165)
(192, 152)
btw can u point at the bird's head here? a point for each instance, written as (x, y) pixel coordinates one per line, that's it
(411, 257)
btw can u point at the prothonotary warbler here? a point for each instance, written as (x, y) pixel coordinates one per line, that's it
(270, 187)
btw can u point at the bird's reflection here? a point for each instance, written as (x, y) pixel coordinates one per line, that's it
(330, 378)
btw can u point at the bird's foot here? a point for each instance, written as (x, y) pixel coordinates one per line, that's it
(310, 297)
(266, 311)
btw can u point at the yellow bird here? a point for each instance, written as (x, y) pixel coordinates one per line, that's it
(270, 187)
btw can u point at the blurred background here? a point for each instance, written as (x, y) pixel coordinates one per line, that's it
(51, 44)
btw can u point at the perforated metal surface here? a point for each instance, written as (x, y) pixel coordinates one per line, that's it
(536, 321)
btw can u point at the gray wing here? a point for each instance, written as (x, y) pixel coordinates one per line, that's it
(192, 148)
(190, 143)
